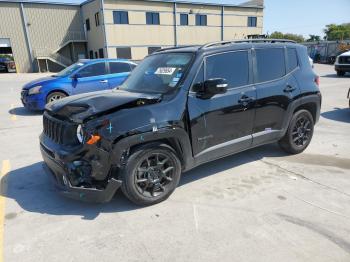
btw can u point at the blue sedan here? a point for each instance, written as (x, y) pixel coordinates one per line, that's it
(81, 77)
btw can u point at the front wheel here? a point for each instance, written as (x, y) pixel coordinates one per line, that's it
(55, 96)
(151, 174)
(299, 133)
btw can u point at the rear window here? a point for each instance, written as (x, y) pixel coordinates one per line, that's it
(234, 67)
(117, 67)
(292, 59)
(270, 64)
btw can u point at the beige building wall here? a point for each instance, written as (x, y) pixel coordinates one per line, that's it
(11, 26)
(139, 36)
(52, 26)
(95, 36)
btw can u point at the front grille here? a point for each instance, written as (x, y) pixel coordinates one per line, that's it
(344, 59)
(61, 132)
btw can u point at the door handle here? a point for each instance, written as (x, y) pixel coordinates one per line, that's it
(289, 89)
(245, 99)
(104, 81)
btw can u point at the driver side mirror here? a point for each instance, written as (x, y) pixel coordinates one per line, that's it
(211, 87)
(76, 76)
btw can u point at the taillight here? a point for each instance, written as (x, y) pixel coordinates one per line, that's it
(317, 80)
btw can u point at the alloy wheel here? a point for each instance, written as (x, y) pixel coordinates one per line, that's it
(301, 132)
(154, 174)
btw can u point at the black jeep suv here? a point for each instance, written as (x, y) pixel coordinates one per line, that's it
(181, 107)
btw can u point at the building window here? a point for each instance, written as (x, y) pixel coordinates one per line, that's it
(183, 19)
(120, 17)
(91, 54)
(152, 18)
(96, 55)
(152, 49)
(100, 53)
(201, 20)
(87, 23)
(124, 52)
(252, 21)
(97, 19)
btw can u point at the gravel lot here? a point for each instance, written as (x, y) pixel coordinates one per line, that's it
(259, 205)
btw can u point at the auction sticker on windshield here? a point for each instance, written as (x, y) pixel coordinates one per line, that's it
(165, 70)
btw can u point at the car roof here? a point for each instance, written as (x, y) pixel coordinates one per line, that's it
(223, 46)
(105, 60)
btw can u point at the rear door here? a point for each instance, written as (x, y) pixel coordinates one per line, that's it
(91, 78)
(276, 89)
(118, 72)
(223, 124)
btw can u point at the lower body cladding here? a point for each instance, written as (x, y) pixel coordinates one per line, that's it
(78, 173)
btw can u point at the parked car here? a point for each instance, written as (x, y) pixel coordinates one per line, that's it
(181, 107)
(7, 65)
(311, 62)
(82, 77)
(348, 96)
(342, 63)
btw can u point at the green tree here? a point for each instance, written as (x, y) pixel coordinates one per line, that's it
(337, 32)
(314, 38)
(294, 37)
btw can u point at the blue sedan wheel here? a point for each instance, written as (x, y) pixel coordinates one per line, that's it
(55, 96)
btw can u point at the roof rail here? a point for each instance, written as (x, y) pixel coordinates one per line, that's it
(258, 40)
(173, 47)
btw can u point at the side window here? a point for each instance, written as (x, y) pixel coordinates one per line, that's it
(270, 64)
(292, 59)
(93, 70)
(117, 67)
(233, 66)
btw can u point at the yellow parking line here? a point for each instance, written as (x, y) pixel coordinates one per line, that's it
(13, 117)
(3, 187)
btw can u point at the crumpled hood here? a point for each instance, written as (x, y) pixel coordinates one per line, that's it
(40, 81)
(83, 106)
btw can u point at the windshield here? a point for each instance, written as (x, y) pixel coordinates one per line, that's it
(69, 70)
(158, 73)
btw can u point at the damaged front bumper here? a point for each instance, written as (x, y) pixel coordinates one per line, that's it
(60, 171)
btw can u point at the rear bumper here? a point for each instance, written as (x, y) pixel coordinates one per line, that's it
(58, 171)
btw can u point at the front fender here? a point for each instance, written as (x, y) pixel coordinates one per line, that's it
(177, 136)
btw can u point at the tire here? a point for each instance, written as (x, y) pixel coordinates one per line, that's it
(340, 73)
(299, 133)
(55, 96)
(143, 182)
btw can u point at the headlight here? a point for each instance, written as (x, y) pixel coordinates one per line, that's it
(34, 90)
(80, 134)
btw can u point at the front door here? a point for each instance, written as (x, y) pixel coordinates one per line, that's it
(223, 124)
(90, 78)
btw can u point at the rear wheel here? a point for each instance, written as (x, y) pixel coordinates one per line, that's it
(151, 174)
(299, 133)
(55, 96)
(340, 73)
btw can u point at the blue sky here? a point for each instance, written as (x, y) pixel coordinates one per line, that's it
(294, 16)
(304, 16)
